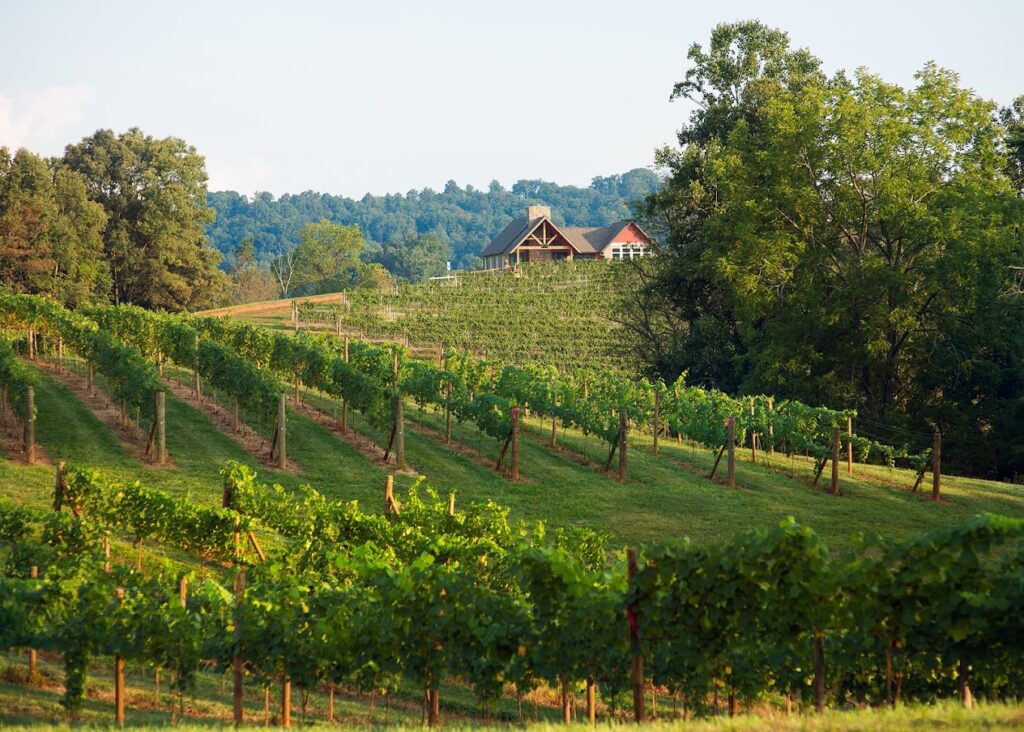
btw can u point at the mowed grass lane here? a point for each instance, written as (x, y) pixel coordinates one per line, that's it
(667, 496)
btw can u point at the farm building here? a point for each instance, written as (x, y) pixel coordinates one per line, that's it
(535, 238)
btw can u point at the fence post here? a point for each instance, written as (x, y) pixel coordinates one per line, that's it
(849, 445)
(753, 435)
(389, 494)
(835, 461)
(30, 425)
(515, 443)
(34, 574)
(936, 466)
(634, 633)
(819, 672)
(344, 402)
(161, 428)
(399, 432)
(282, 456)
(119, 680)
(90, 383)
(448, 414)
(591, 701)
(730, 442)
(657, 419)
(623, 464)
(238, 668)
(286, 703)
(236, 416)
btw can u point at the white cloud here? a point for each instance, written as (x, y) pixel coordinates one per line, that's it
(40, 119)
(245, 175)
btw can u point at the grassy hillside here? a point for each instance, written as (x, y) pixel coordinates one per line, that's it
(667, 495)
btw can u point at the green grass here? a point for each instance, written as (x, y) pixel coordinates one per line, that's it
(666, 496)
(38, 706)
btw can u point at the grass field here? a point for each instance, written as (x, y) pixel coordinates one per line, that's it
(667, 496)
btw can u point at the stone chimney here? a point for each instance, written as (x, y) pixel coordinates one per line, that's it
(537, 212)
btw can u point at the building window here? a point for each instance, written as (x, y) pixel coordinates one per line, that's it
(629, 251)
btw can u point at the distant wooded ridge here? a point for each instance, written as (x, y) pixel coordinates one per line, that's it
(465, 218)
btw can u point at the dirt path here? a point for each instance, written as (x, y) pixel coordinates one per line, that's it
(269, 306)
(12, 440)
(131, 436)
(366, 446)
(249, 439)
(465, 450)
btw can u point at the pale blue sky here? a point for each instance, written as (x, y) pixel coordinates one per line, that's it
(378, 97)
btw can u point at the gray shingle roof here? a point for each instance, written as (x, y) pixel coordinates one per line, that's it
(592, 239)
(509, 236)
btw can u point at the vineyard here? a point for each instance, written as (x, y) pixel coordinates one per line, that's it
(294, 585)
(556, 314)
(427, 592)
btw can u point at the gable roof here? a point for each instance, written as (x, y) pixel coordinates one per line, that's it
(593, 239)
(510, 236)
(584, 239)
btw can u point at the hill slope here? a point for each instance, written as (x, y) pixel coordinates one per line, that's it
(667, 495)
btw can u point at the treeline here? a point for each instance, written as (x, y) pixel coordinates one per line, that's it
(465, 219)
(117, 218)
(843, 240)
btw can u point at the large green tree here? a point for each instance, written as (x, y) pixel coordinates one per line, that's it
(50, 232)
(417, 258)
(154, 194)
(328, 257)
(848, 238)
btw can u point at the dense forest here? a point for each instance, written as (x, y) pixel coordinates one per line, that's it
(466, 219)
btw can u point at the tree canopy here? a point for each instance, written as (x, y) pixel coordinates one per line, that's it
(154, 194)
(843, 240)
(50, 232)
(464, 219)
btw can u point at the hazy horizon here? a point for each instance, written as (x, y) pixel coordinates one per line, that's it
(349, 99)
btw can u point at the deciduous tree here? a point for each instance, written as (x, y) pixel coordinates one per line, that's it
(154, 194)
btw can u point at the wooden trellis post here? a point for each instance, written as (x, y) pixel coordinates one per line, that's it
(34, 574)
(238, 664)
(119, 678)
(30, 425)
(730, 446)
(849, 445)
(344, 402)
(399, 414)
(656, 427)
(515, 443)
(835, 461)
(936, 466)
(390, 505)
(286, 703)
(161, 428)
(753, 435)
(623, 464)
(634, 637)
(282, 455)
(448, 414)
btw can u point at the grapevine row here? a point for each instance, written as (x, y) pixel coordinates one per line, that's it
(915, 619)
